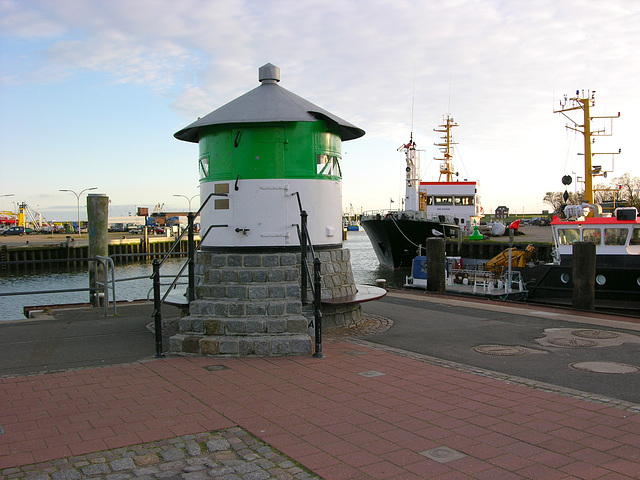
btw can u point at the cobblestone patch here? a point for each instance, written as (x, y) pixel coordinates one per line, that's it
(370, 325)
(232, 454)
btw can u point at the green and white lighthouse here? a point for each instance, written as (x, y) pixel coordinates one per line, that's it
(260, 153)
(260, 149)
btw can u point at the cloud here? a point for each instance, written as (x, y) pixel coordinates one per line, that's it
(123, 58)
(193, 102)
(20, 20)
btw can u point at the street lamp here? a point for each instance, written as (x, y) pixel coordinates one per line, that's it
(78, 198)
(188, 199)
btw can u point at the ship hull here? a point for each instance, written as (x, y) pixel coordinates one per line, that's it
(617, 285)
(397, 240)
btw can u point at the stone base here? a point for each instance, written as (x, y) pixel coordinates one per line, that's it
(235, 345)
(248, 303)
(336, 316)
(243, 336)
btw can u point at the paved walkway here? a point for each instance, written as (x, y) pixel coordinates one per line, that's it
(364, 411)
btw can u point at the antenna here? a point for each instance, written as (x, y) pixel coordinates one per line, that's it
(413, 98)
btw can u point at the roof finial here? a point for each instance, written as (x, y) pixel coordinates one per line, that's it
(269, 73)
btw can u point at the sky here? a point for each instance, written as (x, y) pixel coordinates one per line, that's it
(92, 91)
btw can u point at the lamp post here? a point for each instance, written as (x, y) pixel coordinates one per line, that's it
(78, 199)
(188, 199)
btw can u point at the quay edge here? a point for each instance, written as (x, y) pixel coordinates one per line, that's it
(54, 255)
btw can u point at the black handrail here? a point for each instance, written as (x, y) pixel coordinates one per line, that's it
(157, 301)
(316, 284)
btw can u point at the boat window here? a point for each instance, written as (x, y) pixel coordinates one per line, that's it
(567, 236)
(442, 200)
(615, 236)
(464, 201)
(591, 235)
(328, 165)
(635, 237)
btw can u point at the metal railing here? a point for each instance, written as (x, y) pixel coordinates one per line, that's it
(101, 288)
(159, 299)
(106, 263)
(306, 281)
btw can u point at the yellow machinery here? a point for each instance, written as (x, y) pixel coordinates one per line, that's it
(519, 258)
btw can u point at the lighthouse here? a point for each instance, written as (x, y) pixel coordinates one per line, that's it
(263, 158)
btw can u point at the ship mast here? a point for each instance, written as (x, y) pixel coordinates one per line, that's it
(585, 102)
(412, 186)
(446, 148)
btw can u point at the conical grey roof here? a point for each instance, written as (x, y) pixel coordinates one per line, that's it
(267, 103)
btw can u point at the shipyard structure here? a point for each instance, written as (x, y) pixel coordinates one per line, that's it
(263, 159)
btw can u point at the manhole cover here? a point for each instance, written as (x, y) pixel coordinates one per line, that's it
(443, 454)
(502, 350)
(604, 367)
(598, 334)
(572, 342)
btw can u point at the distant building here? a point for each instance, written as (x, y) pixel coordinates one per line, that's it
(502, 212)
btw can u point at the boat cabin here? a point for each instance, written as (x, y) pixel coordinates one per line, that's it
(458, 200)
(616, 235)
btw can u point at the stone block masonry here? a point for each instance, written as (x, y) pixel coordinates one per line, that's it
(249, 304)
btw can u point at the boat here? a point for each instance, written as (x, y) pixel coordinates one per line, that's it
(617, 269)
(351, 221)
(471, 277)
(431, 209)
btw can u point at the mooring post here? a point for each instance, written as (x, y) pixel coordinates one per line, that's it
(157, 307)
(304, 266)
(191, 294)
(436, 265)
(317, 299)
(584, 275)
(98, 223)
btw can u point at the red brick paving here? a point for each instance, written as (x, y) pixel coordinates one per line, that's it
(320, 412)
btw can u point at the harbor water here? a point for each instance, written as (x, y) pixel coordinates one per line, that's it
(11, 307)
(364, 263)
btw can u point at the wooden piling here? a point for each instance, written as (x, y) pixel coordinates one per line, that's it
(98, 221)
(584, 275)
(436, 265)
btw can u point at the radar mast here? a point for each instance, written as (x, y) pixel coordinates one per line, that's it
(585, 102)
(446, 148)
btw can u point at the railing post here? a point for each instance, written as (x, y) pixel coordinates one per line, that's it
(317, 299)
(191, 291)
(157, 306)
(304, 267)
